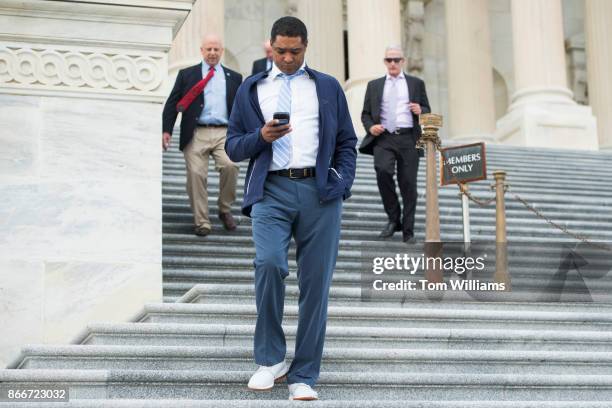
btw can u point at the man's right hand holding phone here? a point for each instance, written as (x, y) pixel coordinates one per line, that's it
(272, 130)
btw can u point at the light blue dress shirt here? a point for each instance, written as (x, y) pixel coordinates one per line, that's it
(215, 104)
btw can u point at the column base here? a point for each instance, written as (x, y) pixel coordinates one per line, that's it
(471, 138)
(544, 122)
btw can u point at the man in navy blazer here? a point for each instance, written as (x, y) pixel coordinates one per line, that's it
(203, 132)
(298, 175)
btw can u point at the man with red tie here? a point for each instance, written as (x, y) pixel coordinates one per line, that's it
(204, 94)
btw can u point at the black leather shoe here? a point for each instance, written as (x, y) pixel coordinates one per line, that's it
(409, 239)
(390, 229)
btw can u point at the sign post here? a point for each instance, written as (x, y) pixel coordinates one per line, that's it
(465, 206)
(460, 165)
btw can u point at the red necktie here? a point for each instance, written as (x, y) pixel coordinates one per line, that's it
(194, 92)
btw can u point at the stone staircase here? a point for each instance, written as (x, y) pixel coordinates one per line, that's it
(195, 349)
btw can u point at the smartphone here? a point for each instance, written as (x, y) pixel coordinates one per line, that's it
(282, 117)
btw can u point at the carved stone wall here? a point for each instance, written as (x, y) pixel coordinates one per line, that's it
(80, 164)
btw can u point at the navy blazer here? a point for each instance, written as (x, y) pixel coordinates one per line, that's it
(336, 157)
(185, 80)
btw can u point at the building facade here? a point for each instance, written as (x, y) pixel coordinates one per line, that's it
(82, 85)
(504, 71)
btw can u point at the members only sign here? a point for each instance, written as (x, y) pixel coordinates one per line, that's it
(461, 164)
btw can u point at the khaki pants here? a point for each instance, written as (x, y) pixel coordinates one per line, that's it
(205, 142)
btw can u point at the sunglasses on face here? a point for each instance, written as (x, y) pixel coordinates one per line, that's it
(396, 60)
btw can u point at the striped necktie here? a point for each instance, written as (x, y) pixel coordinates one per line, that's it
(281, 148)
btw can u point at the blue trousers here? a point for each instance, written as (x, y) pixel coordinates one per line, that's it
(292, 208)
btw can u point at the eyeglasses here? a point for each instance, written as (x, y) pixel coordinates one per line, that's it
(396, 60)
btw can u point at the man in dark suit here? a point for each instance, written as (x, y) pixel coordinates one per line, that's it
(390, 116)
(263, 64)
(205, 113)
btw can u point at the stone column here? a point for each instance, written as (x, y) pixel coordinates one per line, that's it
(542, 112)
(413, 26)
(323, 18)
(470, 70)
(598, 15)
(207, 16)
(576, 66)
(372, 26)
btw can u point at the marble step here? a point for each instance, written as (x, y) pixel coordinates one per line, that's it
(449, 214)
(243, 238)
(553, 237)
(186, 229)
(555, 208)
(450, 195)
(449, 233)
(521, 267)
(346, 288)
(407, 316)
(495, 162)
(372, 360)
(283, 403)
(222, 335)
(187, 278)
(550, 162)
(525, 254)
(518, 182)
(362, 386)
(496, 154)
(177, 282)
(518, 177)
(526, 226)
(536, 231)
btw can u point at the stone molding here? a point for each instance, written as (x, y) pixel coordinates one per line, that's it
(81, 70)
(88, 48)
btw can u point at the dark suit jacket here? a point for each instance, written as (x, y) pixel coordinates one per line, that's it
(185, 80)
(259, 65)
(370, 115)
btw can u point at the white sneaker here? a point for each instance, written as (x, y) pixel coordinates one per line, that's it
(302, 392)
(264, 378)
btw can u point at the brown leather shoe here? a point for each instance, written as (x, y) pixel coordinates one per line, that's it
(228, 221)
(202, 232)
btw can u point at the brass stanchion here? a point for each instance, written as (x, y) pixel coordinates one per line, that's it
(501, 244)
(431, 123)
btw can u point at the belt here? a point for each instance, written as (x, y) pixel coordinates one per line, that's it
(206, 125)
(295, 173)
(400, 131)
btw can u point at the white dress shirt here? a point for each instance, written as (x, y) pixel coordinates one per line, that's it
(403, 118)
(304, 115)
